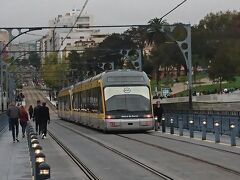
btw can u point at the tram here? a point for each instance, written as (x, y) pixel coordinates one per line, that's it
(118, 100)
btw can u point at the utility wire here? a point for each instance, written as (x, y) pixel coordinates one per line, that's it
(75, 21)
(173, 9)
(32, 34)
(63, 50)
(86, 27)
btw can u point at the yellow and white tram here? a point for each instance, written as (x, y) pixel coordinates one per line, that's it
(117, 100)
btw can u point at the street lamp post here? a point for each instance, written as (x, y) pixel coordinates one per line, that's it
(186, 49)
(2, 49)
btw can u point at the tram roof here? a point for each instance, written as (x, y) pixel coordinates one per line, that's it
(65, 91)
(115, 77)
(119, 76)
(125, 77)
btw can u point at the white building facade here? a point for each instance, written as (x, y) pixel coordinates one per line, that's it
(4, 37)
(67, 39)
(21, 51)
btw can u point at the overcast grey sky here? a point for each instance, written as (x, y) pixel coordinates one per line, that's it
(38, 12)
(109, 12)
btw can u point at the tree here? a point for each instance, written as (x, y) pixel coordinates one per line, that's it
(110, 49)
(216, 39)
(223, 67)
(53, 73)
(155, 34)
(158, 57)
(77, 65)
(34, 60)
(156, 37)
(138, 35)
(213, 30)
(148, 67)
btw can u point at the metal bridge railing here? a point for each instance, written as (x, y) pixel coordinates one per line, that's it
(225, 120)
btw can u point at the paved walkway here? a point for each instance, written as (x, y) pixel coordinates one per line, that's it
(14, 158)
(182, 86)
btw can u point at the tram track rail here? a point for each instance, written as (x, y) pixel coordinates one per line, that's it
(53, 108)
(183, 155)
(77, 160)
(162, 175)
(121, 154)
(87, 171)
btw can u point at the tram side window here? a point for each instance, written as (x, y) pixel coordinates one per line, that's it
(67, 105)
(88, 104)
(99, 96)
(60, 106)
(62, 103)
(79, 101)
(92, 100)
(95, 100)
(83, 101)
(75, 102)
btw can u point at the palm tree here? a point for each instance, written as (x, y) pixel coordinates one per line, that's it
(156, 37)
(155, 31)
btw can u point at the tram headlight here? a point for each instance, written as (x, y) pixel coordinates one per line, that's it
(232, 126)
(148, 116)
(109, 117)
(155, 118)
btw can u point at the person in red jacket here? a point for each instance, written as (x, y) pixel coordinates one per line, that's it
(23, 120)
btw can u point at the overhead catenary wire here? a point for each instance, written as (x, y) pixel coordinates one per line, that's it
(85, 4)
(173, 9)
(63, 50)
(100, 26)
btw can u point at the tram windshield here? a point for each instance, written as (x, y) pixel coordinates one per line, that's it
(130, 100)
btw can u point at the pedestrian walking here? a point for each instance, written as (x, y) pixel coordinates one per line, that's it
(45, 119)
(14, 114)
(23, 120)
(158, 112)
(36, 117)
(30, 111)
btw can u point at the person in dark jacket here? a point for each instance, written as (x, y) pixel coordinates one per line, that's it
(158, 112)
(23, 120)
(45, 119)
(36, 117)
(14, 114)
(30, 111)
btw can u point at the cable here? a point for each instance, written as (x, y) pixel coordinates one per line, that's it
(75, 21)
(173, 9)
(64, 50)
(38, 51)
(34, 34)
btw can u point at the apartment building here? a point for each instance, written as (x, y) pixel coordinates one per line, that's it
(67, 38)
